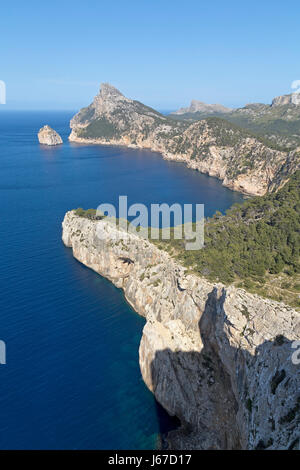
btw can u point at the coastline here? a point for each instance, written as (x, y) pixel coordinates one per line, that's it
(201, 355)
(233, 186)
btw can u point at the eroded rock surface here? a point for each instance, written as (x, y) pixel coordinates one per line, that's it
(212, 146)
(217, 357)
(49, 136)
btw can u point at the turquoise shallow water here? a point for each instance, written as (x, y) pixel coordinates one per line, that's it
(72, 378)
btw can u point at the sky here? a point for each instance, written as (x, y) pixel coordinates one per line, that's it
(54, 55)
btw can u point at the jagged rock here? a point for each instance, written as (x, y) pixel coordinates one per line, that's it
(49, 136)
(212, 146)
(217, 357)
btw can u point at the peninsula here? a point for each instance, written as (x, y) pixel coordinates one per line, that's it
(217, 357)
(244, 161)
(48, 136)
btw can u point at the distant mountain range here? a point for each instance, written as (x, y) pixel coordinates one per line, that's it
(252, 149)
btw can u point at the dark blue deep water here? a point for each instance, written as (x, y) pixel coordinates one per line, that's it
(72, 378)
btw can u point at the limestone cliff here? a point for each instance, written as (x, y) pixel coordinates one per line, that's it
(49, 136)
(217, 357)
(200, 107)
(213, 146)
(292, 98)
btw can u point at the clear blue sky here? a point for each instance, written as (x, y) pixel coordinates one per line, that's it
(54, 54)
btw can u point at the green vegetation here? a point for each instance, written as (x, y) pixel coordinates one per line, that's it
(276, 126)
(88, 214)
(86, 114)
(99, 128)
(255, 245)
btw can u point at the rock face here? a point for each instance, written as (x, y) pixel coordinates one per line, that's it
(217, 357)
(49, 136)
(284, 100)
(212, 145)
(200, 107)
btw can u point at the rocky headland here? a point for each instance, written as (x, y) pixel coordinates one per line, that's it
(48, 136)
(217, 357)
(200, 107)
(217, 147)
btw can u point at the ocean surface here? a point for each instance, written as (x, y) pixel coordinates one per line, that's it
(72, 378)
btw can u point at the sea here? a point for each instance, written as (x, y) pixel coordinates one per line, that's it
(72, 378)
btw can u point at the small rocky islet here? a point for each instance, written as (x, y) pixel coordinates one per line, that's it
(48, 136)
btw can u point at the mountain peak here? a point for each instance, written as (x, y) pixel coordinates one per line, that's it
(108, 90)
(292, 98)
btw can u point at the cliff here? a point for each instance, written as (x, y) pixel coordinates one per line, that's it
(200, 107)
(49, 136)
(213, 146)
(217, 357)
(278, 123)
(286, 100)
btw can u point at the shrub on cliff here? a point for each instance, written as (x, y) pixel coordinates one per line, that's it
(88, 214)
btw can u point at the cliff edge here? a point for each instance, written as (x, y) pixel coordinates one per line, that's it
(217, 357)
(213, 146)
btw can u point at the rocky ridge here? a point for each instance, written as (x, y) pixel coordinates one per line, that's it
(217, 357)
(49, 136)
(278, 122)
(200, 107)
(213, 146)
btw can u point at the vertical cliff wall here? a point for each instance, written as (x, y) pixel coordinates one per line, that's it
(217, 357)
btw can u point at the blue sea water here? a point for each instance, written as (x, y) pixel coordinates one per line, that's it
(72, 378)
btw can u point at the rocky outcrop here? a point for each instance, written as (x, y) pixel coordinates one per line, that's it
(217, 357)
(284, 100)
(200, 107)
(212, 145)
(49, 136)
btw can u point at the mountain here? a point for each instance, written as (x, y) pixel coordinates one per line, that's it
(278, 122)
(218, 358)
(200, 107)
(243, 161)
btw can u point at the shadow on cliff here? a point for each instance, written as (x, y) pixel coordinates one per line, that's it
(216, 409)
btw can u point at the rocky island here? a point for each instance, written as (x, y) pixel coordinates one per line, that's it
(244, 161)
(48, 136)
(219, 358)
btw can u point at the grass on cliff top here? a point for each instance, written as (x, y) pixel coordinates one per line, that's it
(99, 128)
(230, 131)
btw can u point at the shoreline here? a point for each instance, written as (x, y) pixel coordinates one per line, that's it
(79, 140)
(200, 354)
